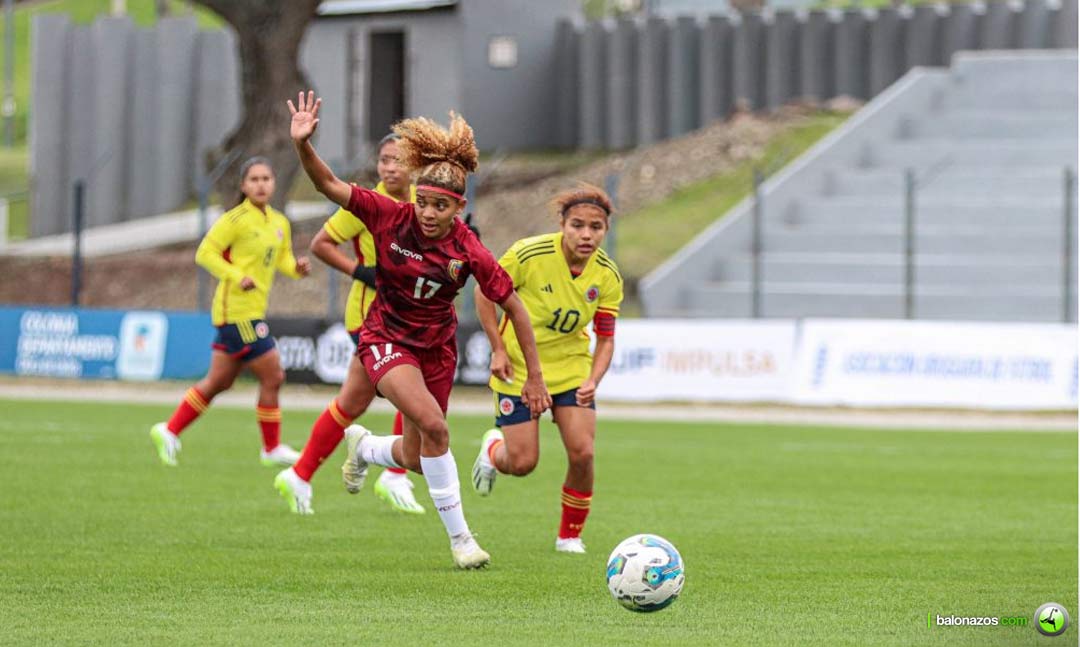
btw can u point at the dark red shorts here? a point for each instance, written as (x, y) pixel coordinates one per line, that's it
(436, 364)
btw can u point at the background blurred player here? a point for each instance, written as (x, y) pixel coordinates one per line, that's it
(565, 281)
(243, 250)
(393, 486)
(407, 346)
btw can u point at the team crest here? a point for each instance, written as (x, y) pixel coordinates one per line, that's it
(453, 268)
(262, 330)
(280, 235)
(506, 406)
(592, 293)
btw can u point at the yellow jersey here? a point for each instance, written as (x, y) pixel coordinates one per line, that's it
(246, 242)
(560, 307)
(343, 226)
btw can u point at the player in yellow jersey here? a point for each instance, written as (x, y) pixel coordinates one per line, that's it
(565, 281)
(393, 486)
(243, 250)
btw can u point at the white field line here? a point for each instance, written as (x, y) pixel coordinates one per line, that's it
(477, 401)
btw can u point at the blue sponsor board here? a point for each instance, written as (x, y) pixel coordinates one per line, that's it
(104, 344)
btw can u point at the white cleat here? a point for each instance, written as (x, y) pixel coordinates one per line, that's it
(354, 471)
(570, 545)
(397, 490)
(166, 442)
(295, 490)
(467, 553)
(280, 456)
(483, 472)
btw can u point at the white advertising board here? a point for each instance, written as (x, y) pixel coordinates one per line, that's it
(936, 364)
(713, 361)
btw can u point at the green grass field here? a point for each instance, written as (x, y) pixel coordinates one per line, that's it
(810, 536)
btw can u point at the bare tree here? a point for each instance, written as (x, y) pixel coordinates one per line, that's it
(269, 34)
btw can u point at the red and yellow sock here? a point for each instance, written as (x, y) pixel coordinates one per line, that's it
(327, 432)
(575, 509)
(399, 429)
(191, 407)
(270, 424)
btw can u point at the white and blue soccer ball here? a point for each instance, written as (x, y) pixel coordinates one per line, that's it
(645, 573)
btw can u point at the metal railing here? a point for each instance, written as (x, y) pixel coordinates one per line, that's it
(912, 181)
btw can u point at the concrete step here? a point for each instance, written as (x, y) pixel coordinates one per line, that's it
(986, 181)
(818, 239)
(886, 268)
(994, 124)
(924, 153)
(1045, 212)
(1016, 98)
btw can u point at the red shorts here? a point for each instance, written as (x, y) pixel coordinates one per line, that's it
(436, 364)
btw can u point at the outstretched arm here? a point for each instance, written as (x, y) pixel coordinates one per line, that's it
(304, 122)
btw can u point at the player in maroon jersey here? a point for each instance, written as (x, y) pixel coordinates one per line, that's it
(407, 348)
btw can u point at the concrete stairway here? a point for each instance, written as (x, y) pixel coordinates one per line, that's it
(988, 141)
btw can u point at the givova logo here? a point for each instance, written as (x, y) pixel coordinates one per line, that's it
(142, 345)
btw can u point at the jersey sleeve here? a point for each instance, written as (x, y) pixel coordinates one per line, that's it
(611, 295)
(375, 211)
(512, 265)
(494, 281)
(286, 263)
(343, 226)
(211, 252)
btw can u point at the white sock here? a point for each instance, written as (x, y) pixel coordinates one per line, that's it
(441, 475)
(379, 450)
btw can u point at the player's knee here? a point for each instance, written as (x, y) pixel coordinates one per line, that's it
(274, 380)
(433, 428)
(581, 457)
(522, 463)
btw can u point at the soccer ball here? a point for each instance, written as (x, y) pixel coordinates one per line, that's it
(645, 573)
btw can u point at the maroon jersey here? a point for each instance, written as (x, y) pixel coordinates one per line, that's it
(417, 278)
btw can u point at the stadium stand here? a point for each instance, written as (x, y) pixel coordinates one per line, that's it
(988, 141)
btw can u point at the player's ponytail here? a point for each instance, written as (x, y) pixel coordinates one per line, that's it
(443, 157)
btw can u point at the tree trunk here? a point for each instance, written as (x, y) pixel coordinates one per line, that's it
(268, 34)
(161, 8)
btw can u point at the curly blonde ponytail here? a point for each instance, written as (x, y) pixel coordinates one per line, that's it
(444, 157)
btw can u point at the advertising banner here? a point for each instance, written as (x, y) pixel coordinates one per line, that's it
(937, 364)
(106, 344)
(706, 360)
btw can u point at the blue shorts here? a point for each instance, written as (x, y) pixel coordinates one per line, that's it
(510, 410)
(244, 340)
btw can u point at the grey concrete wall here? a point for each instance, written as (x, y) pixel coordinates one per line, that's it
(692, 71)
(128, 111)
(335, 56)
(523, 115)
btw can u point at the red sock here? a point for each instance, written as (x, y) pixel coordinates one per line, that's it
(399, 428)
(575, 508)
(270, 423)
(327, 432)
(191, 407)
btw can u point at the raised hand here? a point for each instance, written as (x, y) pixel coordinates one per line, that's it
(305, 116)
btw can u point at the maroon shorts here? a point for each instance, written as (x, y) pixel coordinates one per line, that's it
(436, 364)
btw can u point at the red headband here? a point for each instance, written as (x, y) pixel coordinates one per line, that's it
(439, 189)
